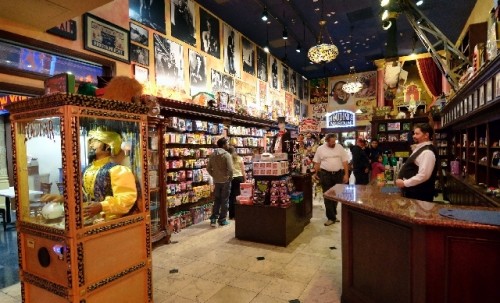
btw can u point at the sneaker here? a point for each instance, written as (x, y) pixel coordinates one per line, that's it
(329, 222)
(213, 222)
(224, 223)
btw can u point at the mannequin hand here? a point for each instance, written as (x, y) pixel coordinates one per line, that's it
(91, 209)
(51, 198)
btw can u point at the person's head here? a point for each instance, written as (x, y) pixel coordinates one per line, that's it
(330, 140)
(103, 144)
(380, 158)
(281, 123)
(374, 143)
(222, 143)
(360, 142)
(337, 92)
(232, 151)
(422, 132)
(300, 138)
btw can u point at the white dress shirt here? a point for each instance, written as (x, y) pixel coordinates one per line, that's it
(425, 162)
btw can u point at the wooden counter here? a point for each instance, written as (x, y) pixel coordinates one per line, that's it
(396, 249)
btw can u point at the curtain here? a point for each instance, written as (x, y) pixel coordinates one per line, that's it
(431, 76)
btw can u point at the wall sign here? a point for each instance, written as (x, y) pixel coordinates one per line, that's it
(67, 30)
(340, 118)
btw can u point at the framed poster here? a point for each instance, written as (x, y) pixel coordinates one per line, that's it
(393, 126)
(139, 54)
(102, 37)
(141, 74)
(209, 33)
(407, 126)
(489, 90)
(139, 34)
(393, 137)
(497, 85)
(150, 13)
(382, 127)
(481, 96)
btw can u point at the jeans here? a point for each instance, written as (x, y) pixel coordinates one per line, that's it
(221, 192)
(235, 191)
(328, 180)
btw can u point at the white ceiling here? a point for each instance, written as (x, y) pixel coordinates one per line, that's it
(44, 14)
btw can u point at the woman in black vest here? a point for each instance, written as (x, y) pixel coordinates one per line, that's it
(418, 174)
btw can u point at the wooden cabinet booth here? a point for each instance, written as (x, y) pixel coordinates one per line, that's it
(65, 255)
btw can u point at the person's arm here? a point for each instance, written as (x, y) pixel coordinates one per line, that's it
(229, 165)
(425, 162)
(346, 171)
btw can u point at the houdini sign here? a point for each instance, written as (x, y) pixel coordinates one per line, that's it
(340, 118)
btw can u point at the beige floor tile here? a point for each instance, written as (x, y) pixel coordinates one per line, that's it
(233, 295)
(280, 257)
(304, 259)
(173, 283)
(13, 290)
(197, 268)
(8, 299)
(284, 289)
(222, 274)
(200, 290)
(327, 280)
(300, 273)
(266, 267)
(173, 299)
(217, 257)
(314, 294)
(260, 298)
(240, 262)
(251, 281)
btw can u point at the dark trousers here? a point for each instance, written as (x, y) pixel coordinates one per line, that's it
(235, 191)
(362, 178)
(221, 192)
(328, 180)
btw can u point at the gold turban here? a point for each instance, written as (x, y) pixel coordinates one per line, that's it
(112, 139)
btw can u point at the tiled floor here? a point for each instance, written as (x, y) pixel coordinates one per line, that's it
(213, 266)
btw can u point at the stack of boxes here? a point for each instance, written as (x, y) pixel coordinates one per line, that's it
(246, 196)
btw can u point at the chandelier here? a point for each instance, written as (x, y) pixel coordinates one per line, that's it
(353, 85)
(323, 52)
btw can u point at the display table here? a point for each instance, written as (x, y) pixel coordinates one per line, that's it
(275, 225)
(396, 249)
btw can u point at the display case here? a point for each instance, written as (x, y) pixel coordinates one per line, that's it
(73, 235)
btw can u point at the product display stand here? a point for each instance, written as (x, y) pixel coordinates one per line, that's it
(275, 225)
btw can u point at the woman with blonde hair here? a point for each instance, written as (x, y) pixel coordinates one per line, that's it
(239, 177)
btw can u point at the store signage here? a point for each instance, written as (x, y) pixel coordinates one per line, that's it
(66, 30)
(340, 118)
(40, 128)
(6, 99)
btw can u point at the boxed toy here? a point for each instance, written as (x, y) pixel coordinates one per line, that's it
(246, 189)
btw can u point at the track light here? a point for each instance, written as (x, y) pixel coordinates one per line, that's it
(265, 15)
(285, 34)
(385, 15)
(299, 48)
(419, 2)
(266, 47)
(386, 25)
(419, 21)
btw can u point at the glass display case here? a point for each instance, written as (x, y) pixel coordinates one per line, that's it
(80, 171)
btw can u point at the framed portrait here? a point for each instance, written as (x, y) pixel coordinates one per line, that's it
(393, 137)
(497, 85)
(489, 90)
(406, 126)
(209, 33)
(300, 86)
(139, 54)
(481, 96)
(273, 76)
(293, 82)
(248, 56)
(141, 73)
(139, 34)
(261, 64)
(182, 21)
(382, 127)
(232, 51)
(393, 126)
(169, 62)
(285, 77)
(197, 72)
(148, 13)
(102, 37)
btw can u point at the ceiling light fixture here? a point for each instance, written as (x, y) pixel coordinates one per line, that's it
(386, 25)
(323, 52)
(285, 33)
(419, 2)
(299, 48)
(265, 15)
(353, 85)
(266, 47)
(384, 2)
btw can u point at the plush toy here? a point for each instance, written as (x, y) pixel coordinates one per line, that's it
(123, 88)
(86, 89)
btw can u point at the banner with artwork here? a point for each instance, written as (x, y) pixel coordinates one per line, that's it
(277, 100)
(318, 91)
(364, 100)
(247, 93)
(319, 111)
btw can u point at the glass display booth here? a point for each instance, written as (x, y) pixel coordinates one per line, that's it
(83, 216)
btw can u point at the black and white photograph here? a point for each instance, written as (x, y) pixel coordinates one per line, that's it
(148, 12)
(216, 80)
(261, 64)
(293, 82)
(139, 54)
(209, 33)
(141, 74)
(228, 84)
(222, 82)
(197, 73)
(232, 51)
(303, 110)
(139, 34)
(169, 62)
(248, 56)
(274, 73)
(285, 77)
(182, 21)
(296, 107)
(300, 87)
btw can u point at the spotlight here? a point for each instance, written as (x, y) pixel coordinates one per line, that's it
(298, 49)
(266, 47)
(419, 21)
(285, 34)
(386, 24)
(384, 2)
(265, 15)
(385, 14)
(419, 2)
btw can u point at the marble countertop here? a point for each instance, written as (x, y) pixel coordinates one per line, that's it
(370, 198)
